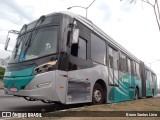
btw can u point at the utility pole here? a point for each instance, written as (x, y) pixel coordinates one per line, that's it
(86, 8)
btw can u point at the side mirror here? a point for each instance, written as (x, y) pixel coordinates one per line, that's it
(75, 36)
(6, 44)
(8, 38)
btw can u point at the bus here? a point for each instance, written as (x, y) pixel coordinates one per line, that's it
(65, 58)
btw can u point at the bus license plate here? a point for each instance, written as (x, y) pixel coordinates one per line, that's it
(13, 89)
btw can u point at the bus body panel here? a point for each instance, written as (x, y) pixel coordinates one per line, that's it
(81, 82)
(61, 86)
(73, 79)
(42, 87)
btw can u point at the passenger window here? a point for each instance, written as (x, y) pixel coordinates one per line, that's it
(79, 50)
(113, 58)
(129, 65)
(148, 75)
(82, 48)
(154, 78)
(68, 37)
(123, 63)
(110, 57)
(98, 49)
(137, 70)
(132, 67)
(113, 66)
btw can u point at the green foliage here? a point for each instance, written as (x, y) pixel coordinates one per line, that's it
(2, 70)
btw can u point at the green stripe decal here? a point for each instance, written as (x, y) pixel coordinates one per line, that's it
(18, 82)
(18, 79)
(126, 88)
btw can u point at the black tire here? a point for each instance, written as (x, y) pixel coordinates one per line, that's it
(97, 95)
(152, 93)
(136, 94)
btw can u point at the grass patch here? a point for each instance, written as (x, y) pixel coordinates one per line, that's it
(2, 70)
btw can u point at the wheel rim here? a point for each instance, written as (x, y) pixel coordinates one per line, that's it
(136, 96)
(152, 94)
(97, 96)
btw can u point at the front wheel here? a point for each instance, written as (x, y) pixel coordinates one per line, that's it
(98, 94)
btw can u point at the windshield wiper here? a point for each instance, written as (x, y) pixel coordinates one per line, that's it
(17, 47)
(41, 19)
(32, 38)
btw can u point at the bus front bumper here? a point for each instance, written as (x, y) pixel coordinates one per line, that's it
(41, 87)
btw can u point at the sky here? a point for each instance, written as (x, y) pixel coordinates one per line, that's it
(131, 25)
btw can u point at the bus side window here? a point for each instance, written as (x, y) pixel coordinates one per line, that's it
(113, 58)
(132, 68)
(116, 59)
(79, 50)
(153, 78)
(137, 70)
(148, 75)
(68, 37)
(110, 57)
(98, 49)
(123, 63)
(129, 65)
(74, 49)
(113, 66)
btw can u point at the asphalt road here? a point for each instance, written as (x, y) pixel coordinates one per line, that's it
(12, 103)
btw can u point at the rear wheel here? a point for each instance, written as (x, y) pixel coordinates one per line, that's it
(136, 94)
(152, 93)
(98, 94)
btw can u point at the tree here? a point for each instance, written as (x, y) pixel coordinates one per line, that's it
(156, 9)
(2, 70)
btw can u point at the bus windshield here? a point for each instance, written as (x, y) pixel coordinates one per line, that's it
(38, 43)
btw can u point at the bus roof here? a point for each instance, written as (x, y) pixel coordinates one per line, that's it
(100, 32)
(88, 23)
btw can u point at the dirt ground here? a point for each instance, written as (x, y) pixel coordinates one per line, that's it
(148, 104)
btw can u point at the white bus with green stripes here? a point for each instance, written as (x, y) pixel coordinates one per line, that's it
(65, 58)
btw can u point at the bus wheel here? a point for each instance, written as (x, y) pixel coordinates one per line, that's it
(98, 95)
(136, 94)
(152, 93)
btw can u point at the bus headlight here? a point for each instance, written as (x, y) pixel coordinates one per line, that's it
(45, 67)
